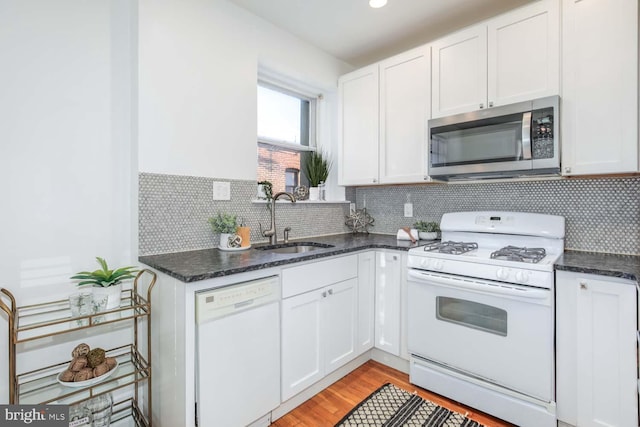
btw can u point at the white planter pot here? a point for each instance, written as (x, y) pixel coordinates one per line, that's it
(226, 238)
(112, 293)
(314, 193)
(428, 235)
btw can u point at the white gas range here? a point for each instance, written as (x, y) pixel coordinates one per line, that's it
(481, 313)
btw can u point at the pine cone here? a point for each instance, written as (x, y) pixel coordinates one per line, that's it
(67, 376)
(101, 369)
(80, 350)
(83, 375)
(78, 363)
(96, 357)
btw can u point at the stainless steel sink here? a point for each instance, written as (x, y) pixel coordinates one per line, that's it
(294, 248)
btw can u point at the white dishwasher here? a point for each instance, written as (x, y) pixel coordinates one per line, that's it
(238, 353)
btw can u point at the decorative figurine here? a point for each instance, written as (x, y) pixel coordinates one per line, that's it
(359, 220)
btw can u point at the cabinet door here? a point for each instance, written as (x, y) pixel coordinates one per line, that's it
(301, 342)
(339, 323)
(366, 300)
(596, 350)
(606, 362)
(358, 125)
(524, 54)
(600, 87)
(459, 71)
(405, 107)
(387, 306)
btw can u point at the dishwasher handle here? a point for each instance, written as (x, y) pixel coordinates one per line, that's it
(225, 301)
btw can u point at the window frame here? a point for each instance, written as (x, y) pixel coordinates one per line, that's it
(291, 90)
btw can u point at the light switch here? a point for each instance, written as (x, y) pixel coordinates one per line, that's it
(221, 190)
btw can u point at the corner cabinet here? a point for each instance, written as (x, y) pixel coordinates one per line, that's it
(511, 58)
(383, 116)
(31, 323)
(596, 350)
(600, 87)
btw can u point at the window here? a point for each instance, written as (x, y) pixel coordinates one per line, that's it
(291, 178)
(286, 122)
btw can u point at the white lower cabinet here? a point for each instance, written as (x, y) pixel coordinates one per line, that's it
(596, 350)
(319, 326)
(390, 297)
(366, 300)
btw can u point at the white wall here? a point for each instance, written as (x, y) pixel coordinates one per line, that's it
(66, 147)
(198, 73)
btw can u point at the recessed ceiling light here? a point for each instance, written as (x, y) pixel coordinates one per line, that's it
(377, 3)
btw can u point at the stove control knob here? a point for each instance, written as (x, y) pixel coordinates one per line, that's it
(502, 274)
(438, 264)
(424, 262)
(522, 276)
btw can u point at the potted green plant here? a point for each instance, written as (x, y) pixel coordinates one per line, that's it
(427, 230)
(316, 167)
(226, 225)
(106, 283)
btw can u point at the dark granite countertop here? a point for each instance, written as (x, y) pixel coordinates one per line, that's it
(623, 266)
(192, 266)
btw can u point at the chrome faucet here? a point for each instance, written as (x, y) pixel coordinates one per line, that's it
(271, 233)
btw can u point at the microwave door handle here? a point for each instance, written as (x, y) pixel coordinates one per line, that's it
(526, 136)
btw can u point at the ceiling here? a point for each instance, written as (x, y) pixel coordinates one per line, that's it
(352, 31)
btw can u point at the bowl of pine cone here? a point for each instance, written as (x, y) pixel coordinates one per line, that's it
(88, 367)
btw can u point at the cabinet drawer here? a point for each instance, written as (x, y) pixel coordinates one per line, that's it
(305, 278)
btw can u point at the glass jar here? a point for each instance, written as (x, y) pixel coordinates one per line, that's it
(101, 408)
(80, 416)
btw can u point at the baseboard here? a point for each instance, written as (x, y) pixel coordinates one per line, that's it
(379, 356)
(308, 393)
(390, 360)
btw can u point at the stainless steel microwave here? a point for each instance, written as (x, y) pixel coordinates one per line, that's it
(513, 140)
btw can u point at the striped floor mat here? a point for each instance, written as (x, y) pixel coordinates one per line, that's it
(390, 406)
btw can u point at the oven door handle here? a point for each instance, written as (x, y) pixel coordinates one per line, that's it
(476, 285)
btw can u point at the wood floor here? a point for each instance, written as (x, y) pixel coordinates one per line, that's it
(329, 406)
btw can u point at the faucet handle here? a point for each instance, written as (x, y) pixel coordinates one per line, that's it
(286, 234)
(265, 233)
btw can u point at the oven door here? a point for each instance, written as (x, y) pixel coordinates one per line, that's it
(491, 331)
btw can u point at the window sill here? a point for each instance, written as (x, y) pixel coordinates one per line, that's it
(303, 202)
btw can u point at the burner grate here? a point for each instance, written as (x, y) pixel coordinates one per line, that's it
(515, 253)
(450, 247)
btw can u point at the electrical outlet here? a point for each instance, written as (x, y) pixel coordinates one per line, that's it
(408, 210)
(221, 190)
(352, 207)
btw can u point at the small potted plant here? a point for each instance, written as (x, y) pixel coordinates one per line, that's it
(316, 167)
(427, 230)
(106, 282)
(226, 225)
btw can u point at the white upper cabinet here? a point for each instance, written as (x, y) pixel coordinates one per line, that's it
(600, 87)
(459, 70)
(358, 127)
(513, 57)
(405, 82)
(384, 110)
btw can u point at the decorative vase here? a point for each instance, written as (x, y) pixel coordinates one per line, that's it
(314, 193)
(113, 294)
(428, 235)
